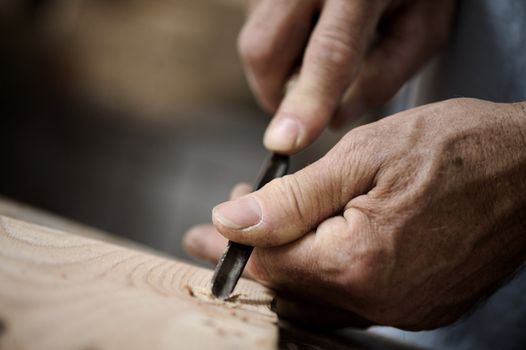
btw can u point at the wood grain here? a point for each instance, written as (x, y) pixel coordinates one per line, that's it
(62, 291)
(24, 212)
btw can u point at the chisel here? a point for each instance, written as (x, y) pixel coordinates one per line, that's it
(235, 257)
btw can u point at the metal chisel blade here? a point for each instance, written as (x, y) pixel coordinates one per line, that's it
(232, 263)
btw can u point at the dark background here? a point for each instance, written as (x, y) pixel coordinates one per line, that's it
(130, 116)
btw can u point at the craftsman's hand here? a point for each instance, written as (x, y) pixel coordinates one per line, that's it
(354, 55)
(407, 222)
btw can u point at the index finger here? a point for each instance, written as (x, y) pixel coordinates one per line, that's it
(316, 265)
(333, 56)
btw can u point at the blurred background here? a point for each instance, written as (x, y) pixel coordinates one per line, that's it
(130, 116)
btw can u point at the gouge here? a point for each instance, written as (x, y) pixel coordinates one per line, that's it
(235, 257)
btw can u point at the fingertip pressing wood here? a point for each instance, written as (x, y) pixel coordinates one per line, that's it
(61, 291)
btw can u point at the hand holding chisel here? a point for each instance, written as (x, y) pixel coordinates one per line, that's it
(235, 257)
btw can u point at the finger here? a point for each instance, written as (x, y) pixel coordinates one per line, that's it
(320, 265)
(410, 39)
(271, 43)
(251, 5)
(313, 258)
(204, 242)
(332, 59)
(291, 206)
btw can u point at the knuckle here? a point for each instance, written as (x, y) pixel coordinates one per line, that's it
(254, 46)
(332, 239)
(333, 49)
(356, 156)
(459, 104)
(356, 141)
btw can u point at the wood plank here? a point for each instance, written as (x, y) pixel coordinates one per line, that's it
(24, 212)
(62, 291)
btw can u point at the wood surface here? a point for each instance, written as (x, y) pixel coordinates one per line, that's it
(24, 212)
(63, 291)
(90, 290)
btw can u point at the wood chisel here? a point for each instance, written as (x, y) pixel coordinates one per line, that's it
(235, 257)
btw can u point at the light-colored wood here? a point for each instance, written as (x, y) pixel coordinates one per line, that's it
(24, 212)
(62, 291)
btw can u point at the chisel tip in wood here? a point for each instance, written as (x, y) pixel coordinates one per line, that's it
(229, 269)
(231, 265)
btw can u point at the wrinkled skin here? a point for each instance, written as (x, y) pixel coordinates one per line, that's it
(349, 56)
(407, 222)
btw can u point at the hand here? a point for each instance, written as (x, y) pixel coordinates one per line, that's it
(356, 57)
(204, 242)
(406, 222)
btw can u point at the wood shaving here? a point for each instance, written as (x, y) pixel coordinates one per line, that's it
(205, 294)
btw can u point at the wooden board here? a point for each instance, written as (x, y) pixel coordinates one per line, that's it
(24, 212)
(62, 291)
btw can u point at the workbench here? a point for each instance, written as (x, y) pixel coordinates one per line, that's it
(64, 285)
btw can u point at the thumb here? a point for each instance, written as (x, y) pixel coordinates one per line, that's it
(289, 207)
